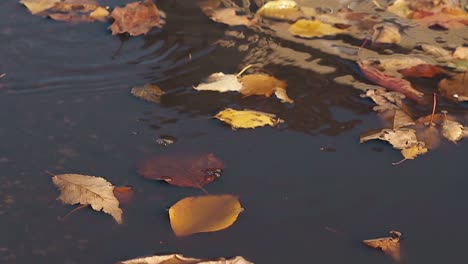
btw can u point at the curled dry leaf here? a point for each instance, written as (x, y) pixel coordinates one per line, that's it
(247, 118)
(280, 9)
(148, 92)
(136, 18)
(207, 213)
(184, 170)
(220, 82)
(263, 84)
(386, 33)
(312, 28)
(180, 259)
(389, 245)
(88, 190)
(390, 82)
(401, 138)
(455, 87)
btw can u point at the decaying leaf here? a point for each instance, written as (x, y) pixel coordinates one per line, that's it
(385, 100)
(207, 213)
(413, 152)
(452, 130)
(148, 92)
(263, 84)
(402, 119)
(390, 82)
(136, 18)
(389, 245)
(124, 194)
(220, 82)
(68, 10)
(180, 259)
(37, 6)
(386, 33)
(401, 138)
(185, 170)
(88, 190)
(455, 87)
(280, 9)
(422, 70)
(312, 28)
(247, 118)
(429, 135)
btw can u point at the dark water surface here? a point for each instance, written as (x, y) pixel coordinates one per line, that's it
(66, 108)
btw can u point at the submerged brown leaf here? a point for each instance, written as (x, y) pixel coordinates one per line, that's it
(389, 245)
(88, 190)
(455, 87)
(148, 92)
(180, 259)
(207, 213)
(136, 18)
(185, 170)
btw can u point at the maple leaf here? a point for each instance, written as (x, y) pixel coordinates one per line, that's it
(207, 213)
(184, 170)
(88, 190)
(136, 18)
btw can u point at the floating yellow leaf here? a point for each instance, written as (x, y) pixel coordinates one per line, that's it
(280, 9)
(312, 28)
(179, 259)
(88, 190)
(389, 245)
(414, 151)
(100, 14)
(263, 84)
(207, 213)
(247, 118)
(37, 6)
(148, 92)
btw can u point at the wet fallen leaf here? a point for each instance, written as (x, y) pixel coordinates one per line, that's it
(461, 53)
(386, 33)
(148, 92)
(180, 259)
(389, 245)
(70, 10)
(124, 194)
(392, 64)
(422, 70)
(402, 119)
(37, 6)
(460, 64)
(247, 118)
(263, 84)
(88, 190)
(435, 51)
(385, 100)
(230, 17)
(220, 82)
(281, 94)
(429, 135)
(413, 152)
(455, 87)
(390, 82)
(312, 29)
(100, 14)
(185, 170)
(401, 138)
(280, 9)
(207, 213)
(452, 130)
(136, 18)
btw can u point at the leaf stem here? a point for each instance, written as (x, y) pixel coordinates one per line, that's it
(243, 70)
(74, 210)
(434, 106)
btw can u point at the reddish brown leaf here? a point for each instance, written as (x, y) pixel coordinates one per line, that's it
(392, 83)
(422, 70)
(184, 170)
(449, 18)
(124, 194)
(456, 87)
(135, 18)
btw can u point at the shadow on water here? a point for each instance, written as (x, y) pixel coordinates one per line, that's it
(66, 108)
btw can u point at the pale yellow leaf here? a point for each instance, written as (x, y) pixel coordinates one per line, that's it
(386, 33)
(37, 6)
(247, 118)
(100, 14)
(207, 213)
(400, 8)
(414, 151)
(312, 28)
(283, 96)
(280, 9)
(179, 259)
(88, 190)
(461, 53)
(452, 130)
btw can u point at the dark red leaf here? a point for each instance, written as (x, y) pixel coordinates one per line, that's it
(422, 70)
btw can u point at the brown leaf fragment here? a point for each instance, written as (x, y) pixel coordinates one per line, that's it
(422, 70)
(148, 92)
(185, 170)
(390, 82)
(136, 18)
(179, 259)
(386, 33)
(399, 138)
(88, 190)
(385, 100)
(389, 245)
(230, 17)
(124, 194)
(455, 87)
(71, 10)
(402, 119)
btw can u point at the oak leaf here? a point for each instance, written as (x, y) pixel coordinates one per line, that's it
(184, 170)
(136, 18)
(88, 190)
(389, 245)
(207, 213)
(247, 118)
(180, 259)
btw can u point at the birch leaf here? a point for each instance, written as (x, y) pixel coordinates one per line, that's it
(220, 82)
(88, 190)
(312, 29)
(247, 118)
(179, 259)
(389, 245)
(207, 213)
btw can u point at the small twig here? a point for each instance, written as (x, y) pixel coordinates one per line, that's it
(74, 210)
(434, 106)
(243, 70)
